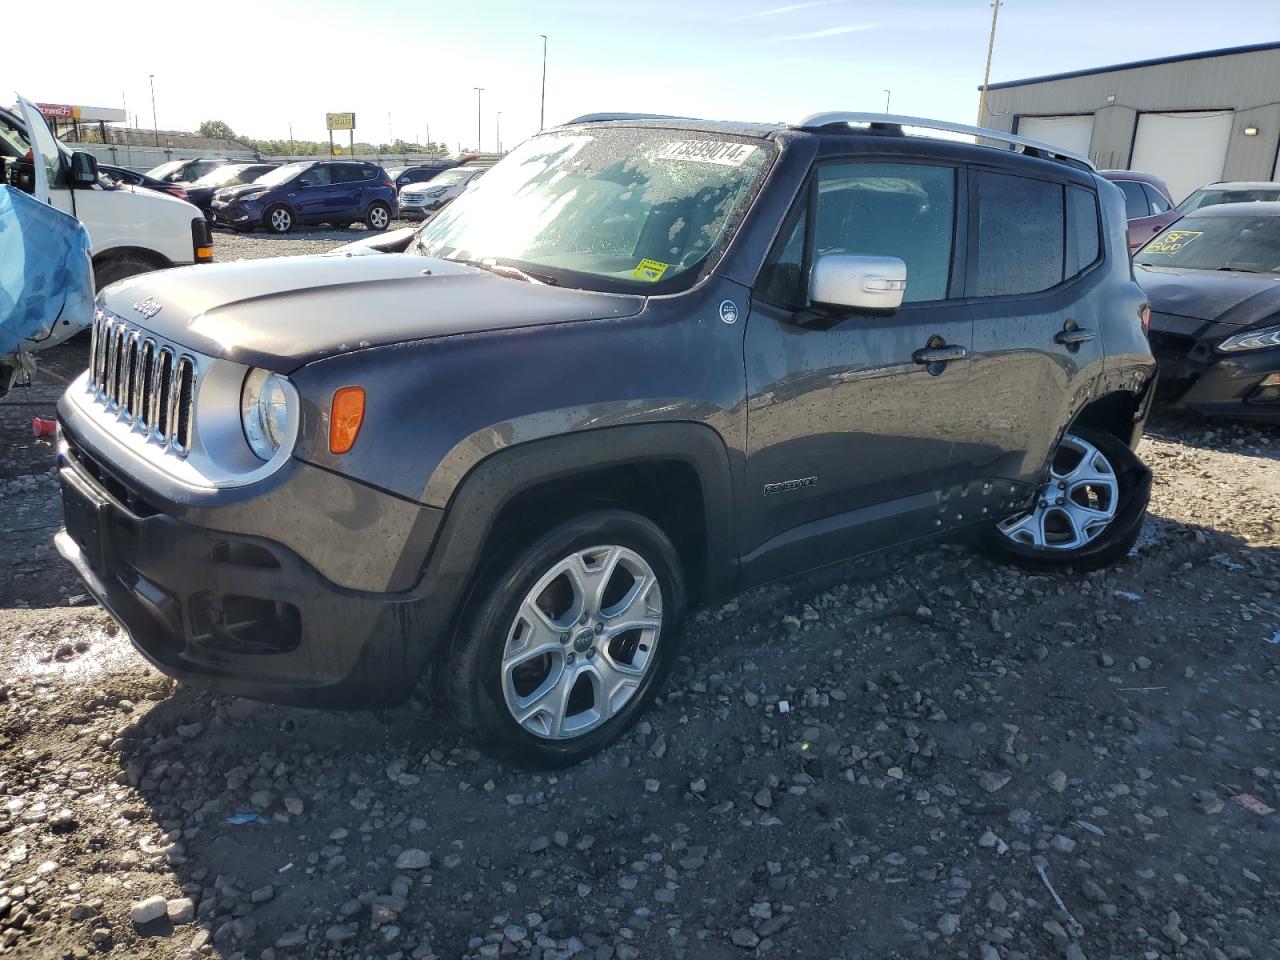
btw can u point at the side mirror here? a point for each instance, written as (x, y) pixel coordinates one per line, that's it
(858, 283)
(84, 169)
(304, 183)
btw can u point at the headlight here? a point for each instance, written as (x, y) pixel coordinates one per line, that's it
(1252, 340)
(246, 197)
(265, 412)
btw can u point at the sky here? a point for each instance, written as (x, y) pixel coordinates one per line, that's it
(409, 69)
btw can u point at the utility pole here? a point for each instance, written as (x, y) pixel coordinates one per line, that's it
(986, 76)
(154, 123)
(542, 113)
(886, 101)
(498, 131)
(478, 90)
(291, 139)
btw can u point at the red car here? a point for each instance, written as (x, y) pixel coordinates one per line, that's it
(1148, 206)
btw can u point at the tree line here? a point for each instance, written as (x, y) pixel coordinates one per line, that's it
(217, 129)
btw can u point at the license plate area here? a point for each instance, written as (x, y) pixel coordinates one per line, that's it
(85, 512)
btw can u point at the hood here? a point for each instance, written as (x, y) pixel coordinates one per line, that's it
(1219, 296)
(230, 193)
(286, 312)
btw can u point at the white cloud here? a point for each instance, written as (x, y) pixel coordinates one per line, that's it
(789, 8)
(828, 32)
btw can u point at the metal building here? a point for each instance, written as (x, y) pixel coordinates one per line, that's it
(1189, 119)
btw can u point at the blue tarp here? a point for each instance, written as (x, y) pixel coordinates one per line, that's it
(45, 273)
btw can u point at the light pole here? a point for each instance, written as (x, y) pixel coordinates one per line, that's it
(886, 100)
(154, 123)
(479, 91)
(498, 131)
(542, 113)
(986, 76)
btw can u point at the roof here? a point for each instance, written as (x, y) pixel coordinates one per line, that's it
(1178, 58)
(1263, 208)
(1150, 178)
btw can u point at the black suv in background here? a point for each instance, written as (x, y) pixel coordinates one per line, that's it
(201, 192)
(644, 363)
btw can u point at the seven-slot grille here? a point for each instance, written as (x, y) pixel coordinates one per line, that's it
(148, 383)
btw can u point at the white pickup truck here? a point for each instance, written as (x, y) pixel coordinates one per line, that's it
(132, 230)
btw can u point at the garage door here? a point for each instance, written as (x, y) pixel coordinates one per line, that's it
(1069, 133)
(1185, 150)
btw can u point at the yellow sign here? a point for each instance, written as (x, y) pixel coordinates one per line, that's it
(340, 121)
(651, 270)
(1172, 241)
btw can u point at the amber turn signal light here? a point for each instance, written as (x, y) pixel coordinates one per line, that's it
(346, 413)
(1145, 314)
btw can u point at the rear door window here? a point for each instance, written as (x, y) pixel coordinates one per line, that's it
(1083, 246)
(1021, 236)
(1158, 203)
(1136, 205)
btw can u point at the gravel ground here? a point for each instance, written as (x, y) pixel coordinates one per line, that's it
(920, 755)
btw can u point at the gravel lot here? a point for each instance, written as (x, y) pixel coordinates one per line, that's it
(921, 755)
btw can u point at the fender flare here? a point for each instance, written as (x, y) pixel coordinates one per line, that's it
(499, 478)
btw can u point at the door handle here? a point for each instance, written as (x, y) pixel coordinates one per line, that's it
(1073, 337)
(944, 353)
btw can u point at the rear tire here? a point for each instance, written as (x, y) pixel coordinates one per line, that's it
(602, 597)
(378, 216)
(1087, 515)
(279, 219)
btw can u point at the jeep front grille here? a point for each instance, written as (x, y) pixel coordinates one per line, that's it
(147, 383)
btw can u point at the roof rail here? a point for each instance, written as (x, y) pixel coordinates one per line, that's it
(602, 117)
(818, 120)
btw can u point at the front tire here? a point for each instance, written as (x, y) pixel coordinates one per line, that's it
(118, 268)
(278, 219)
(1087, 514)
(566, 644)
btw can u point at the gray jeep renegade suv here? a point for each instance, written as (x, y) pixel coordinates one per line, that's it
(645, 362)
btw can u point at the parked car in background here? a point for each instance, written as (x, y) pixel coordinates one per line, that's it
(421, 173)
(229, 175)
(122, 176)
(1240, 191)
(186, 171)
(132, 230)
(1148, 205)
(421, 200)
(337, 192)
(1214, 283)
(514, 453)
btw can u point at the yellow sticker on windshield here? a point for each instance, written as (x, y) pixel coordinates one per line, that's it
(1171, 241)
(651, 270)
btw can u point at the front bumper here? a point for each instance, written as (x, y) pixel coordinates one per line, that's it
(236, 214)
(1195, 377)
(243, 614)
(412, 210)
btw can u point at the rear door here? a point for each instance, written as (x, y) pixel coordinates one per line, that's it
(849, 437)
(1034, 255)
(345, 192)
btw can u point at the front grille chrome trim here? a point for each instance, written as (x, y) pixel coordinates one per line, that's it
(148, 384)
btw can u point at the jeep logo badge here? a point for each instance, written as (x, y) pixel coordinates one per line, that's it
(728, 311)
(148, 307)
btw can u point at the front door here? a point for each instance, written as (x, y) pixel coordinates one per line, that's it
(849, 434)
(315, 199)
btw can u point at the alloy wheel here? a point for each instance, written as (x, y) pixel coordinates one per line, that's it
(583, 641)
(1076, 503)
(379, 217)
(281, 221)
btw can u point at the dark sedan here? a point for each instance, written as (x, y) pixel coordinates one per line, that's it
(230, 175)
(122, 176)
(1213, 279)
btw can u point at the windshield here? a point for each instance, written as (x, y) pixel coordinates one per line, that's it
(1244, 244)
(162, 171)
(223, 175)
(448, 178)
(283, 174)
(1207, 198)
(633, 208)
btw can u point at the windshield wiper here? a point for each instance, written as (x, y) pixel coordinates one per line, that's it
(504, 270)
